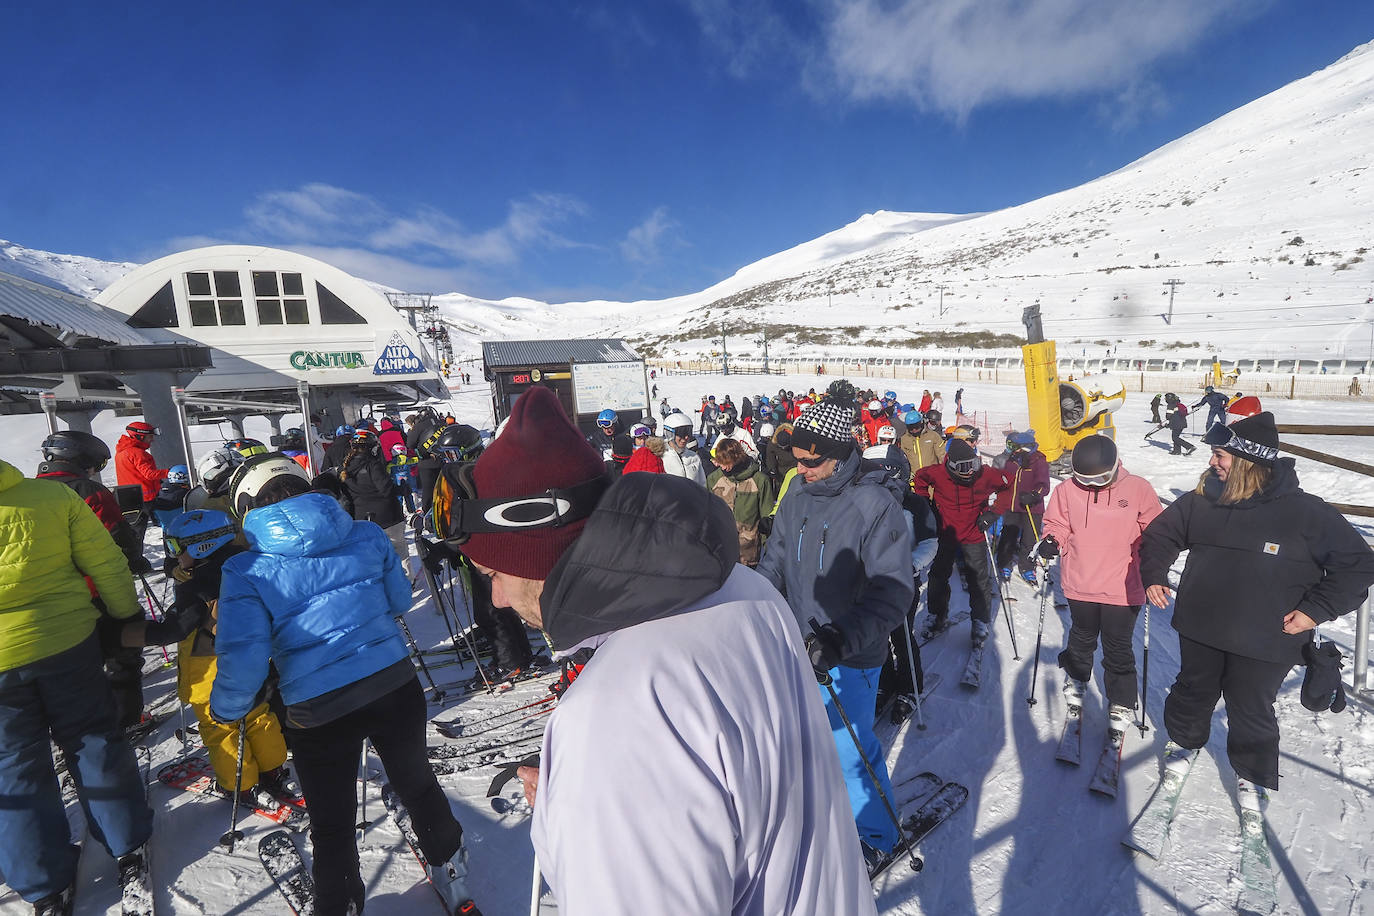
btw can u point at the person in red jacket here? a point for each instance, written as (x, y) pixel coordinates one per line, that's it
(389, 435)
(1021, 505)
(1094, 525)
(962, 485)
(134, 464)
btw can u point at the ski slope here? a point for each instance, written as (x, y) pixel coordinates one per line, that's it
(1031, 838)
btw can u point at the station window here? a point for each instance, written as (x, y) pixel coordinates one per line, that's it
(215, 298)
(334, 310)
(280, 298)
(158, 312)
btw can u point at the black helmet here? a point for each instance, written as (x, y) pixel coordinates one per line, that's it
(455, 442)
(1094, 461)
(933, 416)
(79, 448)
(962, 460)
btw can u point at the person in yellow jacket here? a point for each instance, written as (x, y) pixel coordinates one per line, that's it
(200, 541)
(52, 685)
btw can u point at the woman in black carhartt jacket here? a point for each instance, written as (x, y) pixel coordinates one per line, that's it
(1266, 564)
(369, 484)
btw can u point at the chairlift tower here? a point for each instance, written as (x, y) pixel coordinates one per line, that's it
(425, 320)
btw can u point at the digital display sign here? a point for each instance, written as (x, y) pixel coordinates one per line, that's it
(523, 379)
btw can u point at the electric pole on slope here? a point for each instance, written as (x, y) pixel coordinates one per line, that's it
(1173, 286)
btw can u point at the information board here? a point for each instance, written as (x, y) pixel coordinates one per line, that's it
(619, 386)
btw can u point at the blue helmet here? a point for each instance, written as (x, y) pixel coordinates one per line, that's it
(344, 430)
(199, 533)
(607, 418)
(890, 396)
(913, 418)
(1022, 440)
(764, 400)
(179, 475)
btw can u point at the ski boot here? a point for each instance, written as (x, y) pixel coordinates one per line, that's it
(934, 626)
(1252, 796)
(278, 783)
(980, 633)
(1178, 759)
(450, 880)
(134, 882)
(1005, 574)
(1028, 575)
(59, 904)
(1073, 692)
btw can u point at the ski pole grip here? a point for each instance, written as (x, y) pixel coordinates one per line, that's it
(822, 677)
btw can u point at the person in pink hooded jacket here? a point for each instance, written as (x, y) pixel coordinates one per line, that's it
(1093, 524)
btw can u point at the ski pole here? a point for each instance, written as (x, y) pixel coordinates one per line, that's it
(437, 695)
(467, 637)
(536, 887)
(1039, 633)
(828, 683)
(360, 828)
(1145, 674)
(1002, 594)
(148, 596)
(234, 834)
(911, 662)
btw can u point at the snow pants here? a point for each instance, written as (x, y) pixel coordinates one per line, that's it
(327, 767)
(896, 676)
(1116, 626)
(1180, 444)
(264, 748)
(1020, 530)
(1216, 415)
(65, 697)
(977, 578)
(857, 689)
(1250, 687)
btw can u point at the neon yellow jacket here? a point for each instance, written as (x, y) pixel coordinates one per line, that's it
(49, 540)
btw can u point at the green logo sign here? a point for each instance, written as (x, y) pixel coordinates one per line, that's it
(322, 359)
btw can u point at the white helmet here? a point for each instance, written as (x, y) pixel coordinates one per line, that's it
(255, 474)
(677, 420)
(887, 434)
(876, 452)
(215, 469)
(767, 430)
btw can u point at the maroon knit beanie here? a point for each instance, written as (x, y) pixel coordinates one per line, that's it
(539, 448)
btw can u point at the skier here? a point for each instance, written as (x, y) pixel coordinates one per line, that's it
(959, 402)
(778, 460)
(608, 427)
(1216, 406)
(215, 470)
(680, 459)
(840, 552)
(389, 435)
(676, 669)
(1093, 525)
(315, 595)
(746, 489)
(200, 542)
(961, 486)
(133, 463)
(369, 485)
(1177, 419)
(293, 446)
(924, 442)
(730, 430)
(622, 447)
(52, 687)
(924, 406)
(937, 403)
(1021, 504)
(171, 499)
(1154, 410)
(337, 450)
(1266, 564)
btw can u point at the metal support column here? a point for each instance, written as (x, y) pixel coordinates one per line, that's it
(49, 402)
(303, 392)
(1359, 679)
(179, 400)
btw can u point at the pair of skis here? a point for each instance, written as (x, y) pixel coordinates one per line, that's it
(1149, 833)
(1107, 775)
(938, 799)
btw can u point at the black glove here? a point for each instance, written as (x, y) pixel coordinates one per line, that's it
(766, 525)
(823, 648)
(987, 519)
(139, 565)
(1049, 548)
(1028, 499)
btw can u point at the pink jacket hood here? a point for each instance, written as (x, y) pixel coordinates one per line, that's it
(1098, 531)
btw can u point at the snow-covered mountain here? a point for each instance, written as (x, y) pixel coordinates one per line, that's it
(1265, 215)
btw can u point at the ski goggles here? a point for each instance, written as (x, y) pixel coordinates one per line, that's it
(1096, 481)
(605, 424)
(176, 546)
(965, 467)
(467, 513)
(812, 463)
(1224, 437)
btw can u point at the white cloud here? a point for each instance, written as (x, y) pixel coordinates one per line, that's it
(643, 243)
(954, 55)
(750, 33)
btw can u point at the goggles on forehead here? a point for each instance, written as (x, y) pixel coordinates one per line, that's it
(467, 513)
(176, 546)
(1225, 437)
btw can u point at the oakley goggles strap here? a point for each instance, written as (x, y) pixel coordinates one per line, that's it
(553, 508)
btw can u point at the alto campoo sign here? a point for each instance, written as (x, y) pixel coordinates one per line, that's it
(397, 359)
(327, 359)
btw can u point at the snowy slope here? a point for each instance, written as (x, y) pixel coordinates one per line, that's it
(1266, 215)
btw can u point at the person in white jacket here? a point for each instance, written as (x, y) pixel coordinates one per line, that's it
(680, 458)
(729, 429)
(690, 767)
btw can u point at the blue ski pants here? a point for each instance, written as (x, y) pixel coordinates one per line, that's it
(857, 690)
(65, 697)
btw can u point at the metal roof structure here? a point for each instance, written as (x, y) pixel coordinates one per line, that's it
(520, 353)
(66, 315)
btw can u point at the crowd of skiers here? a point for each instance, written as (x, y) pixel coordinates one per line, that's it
(790, 535)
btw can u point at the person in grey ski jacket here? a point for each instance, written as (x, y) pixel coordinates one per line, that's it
(680, 457)
(689, 767)
(840, 552)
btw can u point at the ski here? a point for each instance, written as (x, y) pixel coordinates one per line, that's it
(284, 866)
(401, 817)
(1108, 773)
(195, 774)
(1071, 741)
(973, 671)
(140, 730)
(472, 732)
(1258, 895)
(468, 688)
(1150, 830)
(135, 876)
(948, 799)
(504, 752)
(915, 788)
(466, 728)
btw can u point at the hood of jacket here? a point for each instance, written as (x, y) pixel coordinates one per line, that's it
(302, 526)
(127, 441)
(655, 546)
(9, 475)
(1283, 482)
(744, 470)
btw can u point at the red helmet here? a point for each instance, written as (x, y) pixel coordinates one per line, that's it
(1246, 406)
(140, 430)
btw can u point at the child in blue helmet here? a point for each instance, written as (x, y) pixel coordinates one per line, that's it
(171, 499)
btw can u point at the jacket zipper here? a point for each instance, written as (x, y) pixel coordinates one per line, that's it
(820, 564)
(801, 534)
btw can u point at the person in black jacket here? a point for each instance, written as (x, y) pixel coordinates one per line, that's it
(1266, 564)
(369, 485)
(1177, 419)
(1216, 406)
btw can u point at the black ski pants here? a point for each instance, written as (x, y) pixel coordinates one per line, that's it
(896, 673)
(1250, 687)
(1115, 624)
(1020, 529)
(977, 578)
(327, 766)
(1180, 444)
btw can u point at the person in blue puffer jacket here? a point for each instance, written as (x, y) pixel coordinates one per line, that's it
(315, 595)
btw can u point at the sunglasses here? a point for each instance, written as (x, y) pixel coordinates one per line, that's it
(812, 462)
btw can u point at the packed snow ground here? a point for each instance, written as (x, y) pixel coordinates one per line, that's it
(1031, 838)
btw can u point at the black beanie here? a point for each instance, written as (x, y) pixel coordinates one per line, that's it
(1321, 686)
(1252, 438)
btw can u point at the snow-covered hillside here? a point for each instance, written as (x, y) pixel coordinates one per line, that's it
(1266, 216)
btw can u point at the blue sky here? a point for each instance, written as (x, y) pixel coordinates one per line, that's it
(573, 150)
